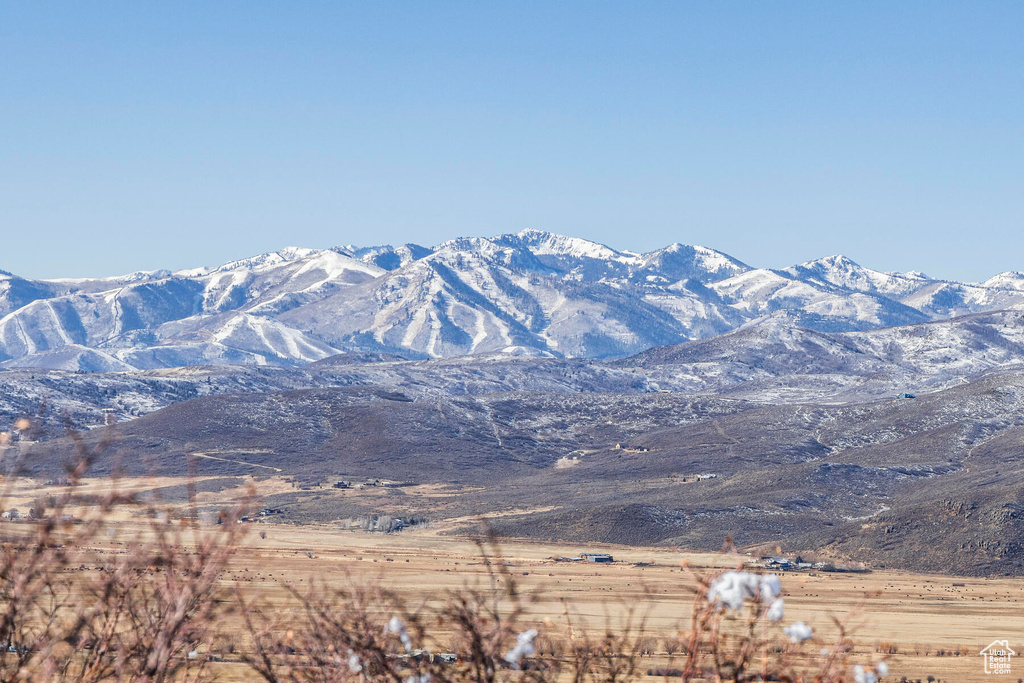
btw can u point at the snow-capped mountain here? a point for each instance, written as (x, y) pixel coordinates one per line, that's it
(218, 315)
(775, 360)
(843, 272)
(817, 303)
(936, 299)
(533, 293)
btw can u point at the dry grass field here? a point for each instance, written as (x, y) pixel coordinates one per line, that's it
(920, 619)
(928, 625)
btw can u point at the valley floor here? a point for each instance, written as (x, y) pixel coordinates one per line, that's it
(928, 624)
(922, 619)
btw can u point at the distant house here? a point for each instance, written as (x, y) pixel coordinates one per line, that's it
(777, 562)
(904, 395)
(597, 557)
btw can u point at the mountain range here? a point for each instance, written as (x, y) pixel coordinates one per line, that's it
(531, 293)
(810, 447)
(569, 391)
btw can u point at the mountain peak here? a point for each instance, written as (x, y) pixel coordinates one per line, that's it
(477, 244)
(835, 261)
(533, 233)
(386, 256)
(140, 275)
(295, 253)
(842, 271)
(910, 274)
(269, 258)
(549, 243)
(1011, 279)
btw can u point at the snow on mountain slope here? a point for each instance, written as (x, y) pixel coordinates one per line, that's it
(270, 288)
(16, 292)
(955, 348)
(934, 298)
(71, 357)
(117, 317)
(103, 284)
(130, 317)
(843, 272)
(819, 305)
(542, 243)
(774, 360)
(229, 338)
(268, 259)
(678, 262)
(949, 299)
(479, 295)
(386, 256)
(1010, 280)
(532, 292)
(450, 303)
(589, 261)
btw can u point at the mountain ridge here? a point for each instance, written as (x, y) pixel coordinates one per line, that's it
(815, 439)
(531, 293)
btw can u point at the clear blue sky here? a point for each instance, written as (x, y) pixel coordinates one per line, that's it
(142, 135)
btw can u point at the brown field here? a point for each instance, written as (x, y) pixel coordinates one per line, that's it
(929, 624)
(917, 615)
